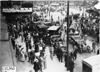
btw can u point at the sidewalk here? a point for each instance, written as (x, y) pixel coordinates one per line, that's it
(5, 54)
(7, 58)
(52, 65)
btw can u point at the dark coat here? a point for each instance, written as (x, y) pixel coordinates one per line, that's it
(36, 48)
(75, 52)
(97, 52)
(59, 52)
(36, 66)
(13, 43)
(71, 64)
(65, 60)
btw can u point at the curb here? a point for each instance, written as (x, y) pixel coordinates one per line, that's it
(12, 53)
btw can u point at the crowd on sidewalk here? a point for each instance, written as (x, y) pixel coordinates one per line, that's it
(27, 43)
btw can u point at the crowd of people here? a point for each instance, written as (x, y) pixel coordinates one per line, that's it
(90, 26)
(30, 46)
(27, 43)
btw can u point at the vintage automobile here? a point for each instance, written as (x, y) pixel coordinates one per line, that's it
(81, 44)
(53, 30)
(84, 46)
(91, 64)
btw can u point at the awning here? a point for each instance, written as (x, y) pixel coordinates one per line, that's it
(53, 28)
(12, 10)
(97, 6)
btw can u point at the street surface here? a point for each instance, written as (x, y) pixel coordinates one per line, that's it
(7, 59)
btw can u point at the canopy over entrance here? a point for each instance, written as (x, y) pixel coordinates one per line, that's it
(53, 28)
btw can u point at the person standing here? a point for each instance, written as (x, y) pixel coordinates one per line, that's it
(71, 64)
(65, 60)
(36, 48)
(17, 52)
(13, 42)
(60, 54)
(44, 57)
(51, 52)
(93, 46)
(36, 65)
(41, 60)
(55, 48)
(75, 53)
(98, 52)
(45, 63)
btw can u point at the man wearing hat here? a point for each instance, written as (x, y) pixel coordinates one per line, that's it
(93, 46)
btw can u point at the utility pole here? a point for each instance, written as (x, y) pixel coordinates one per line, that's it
(32, 10)
(83, 8)
(67, 34)
(82, 20)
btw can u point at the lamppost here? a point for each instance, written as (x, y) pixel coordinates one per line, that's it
(68, 34)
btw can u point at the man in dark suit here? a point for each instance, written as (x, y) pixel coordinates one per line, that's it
(65, 60)
(98, 52)
(71, 64)
(36, 48)
(13, 42)
(93, 46)
(36, 65)
(59, 54)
